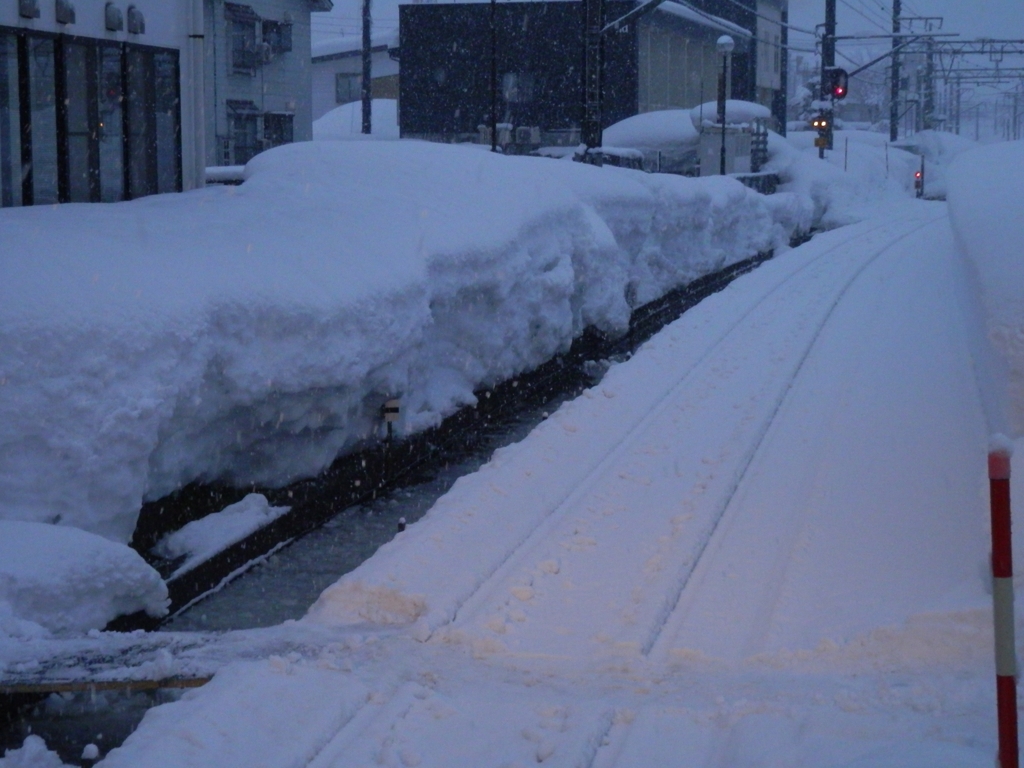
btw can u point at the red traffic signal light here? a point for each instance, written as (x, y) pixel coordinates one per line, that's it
(837, 83)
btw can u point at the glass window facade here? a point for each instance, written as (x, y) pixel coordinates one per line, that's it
(10, 123)
(86, 120)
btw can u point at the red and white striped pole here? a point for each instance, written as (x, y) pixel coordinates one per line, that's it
(1002, 599)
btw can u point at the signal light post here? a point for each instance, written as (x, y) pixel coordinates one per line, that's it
(828, 63)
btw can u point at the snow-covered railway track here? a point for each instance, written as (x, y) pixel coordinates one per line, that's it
(576, 573)
(600, 574)
(560, 478)
(597, 595)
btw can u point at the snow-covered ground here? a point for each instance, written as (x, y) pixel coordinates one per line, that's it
(253, 332)
(62, 579)
(201, 539)
(346, 122)
(769, 548)
(985, 207)
(760, 541)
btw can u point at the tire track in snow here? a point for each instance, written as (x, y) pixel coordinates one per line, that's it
(580, 487)
(756, 445)
(512, 574)
(376, 716)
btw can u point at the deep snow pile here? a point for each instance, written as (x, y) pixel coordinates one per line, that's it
(662, 129)
(32, 754)
(858, 179)
(939, 150)
(669, 133)
(346, 121)
(201, 539)
(55, 578)
(986, 190)
(252, 333)
(737, 112)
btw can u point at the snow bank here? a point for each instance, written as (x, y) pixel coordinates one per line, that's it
(986, 187)
(63, 579)
(656, 130)
(33, 754)
(858, 179)
(668, 133)
(203, 538)
(736, 113)
(251, 333)
(346, 121)
(939, 149)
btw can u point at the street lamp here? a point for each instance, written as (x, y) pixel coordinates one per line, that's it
(725, 47)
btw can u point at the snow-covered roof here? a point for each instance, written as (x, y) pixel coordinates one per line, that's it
(689, 13)
(350, 45)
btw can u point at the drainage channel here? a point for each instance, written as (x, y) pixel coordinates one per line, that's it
(282, 585)
(285, 584)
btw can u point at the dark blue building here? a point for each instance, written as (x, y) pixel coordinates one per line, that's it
(665, 59)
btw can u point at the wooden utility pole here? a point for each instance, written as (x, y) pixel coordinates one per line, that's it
(828, 63)
(894, 91)
(494, 76)
(367, 67)
(593, 43)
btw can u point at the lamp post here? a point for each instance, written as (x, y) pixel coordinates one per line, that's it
(725, 47)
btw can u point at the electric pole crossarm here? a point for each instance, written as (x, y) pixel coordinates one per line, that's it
(915, 35)
(883, 57)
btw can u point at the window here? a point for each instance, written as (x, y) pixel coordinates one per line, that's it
(86, 120)
(277, 36)
(243, 137)
(242, 24)
(80, 148)
(348, 87)
(166, 125)
(10, 123)
(111, 124)
(244, 56)
(517, 87)
(277, 129)
(41, 160)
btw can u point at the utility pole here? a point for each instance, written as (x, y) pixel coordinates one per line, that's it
(957, 100)
(894, 90)
(783, 93)
(929, 85)
(828, 62)
(593, 43)
(367, 72)
(494, 76)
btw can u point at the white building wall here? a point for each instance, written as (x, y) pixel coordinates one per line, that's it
(769, 39)
(326, 70)
(167, 26)
(678, 64)
(281, 85)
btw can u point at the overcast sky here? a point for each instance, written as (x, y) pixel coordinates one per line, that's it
(972, 18)
(1003, 19)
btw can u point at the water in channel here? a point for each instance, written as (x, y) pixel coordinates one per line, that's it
(285, 584)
